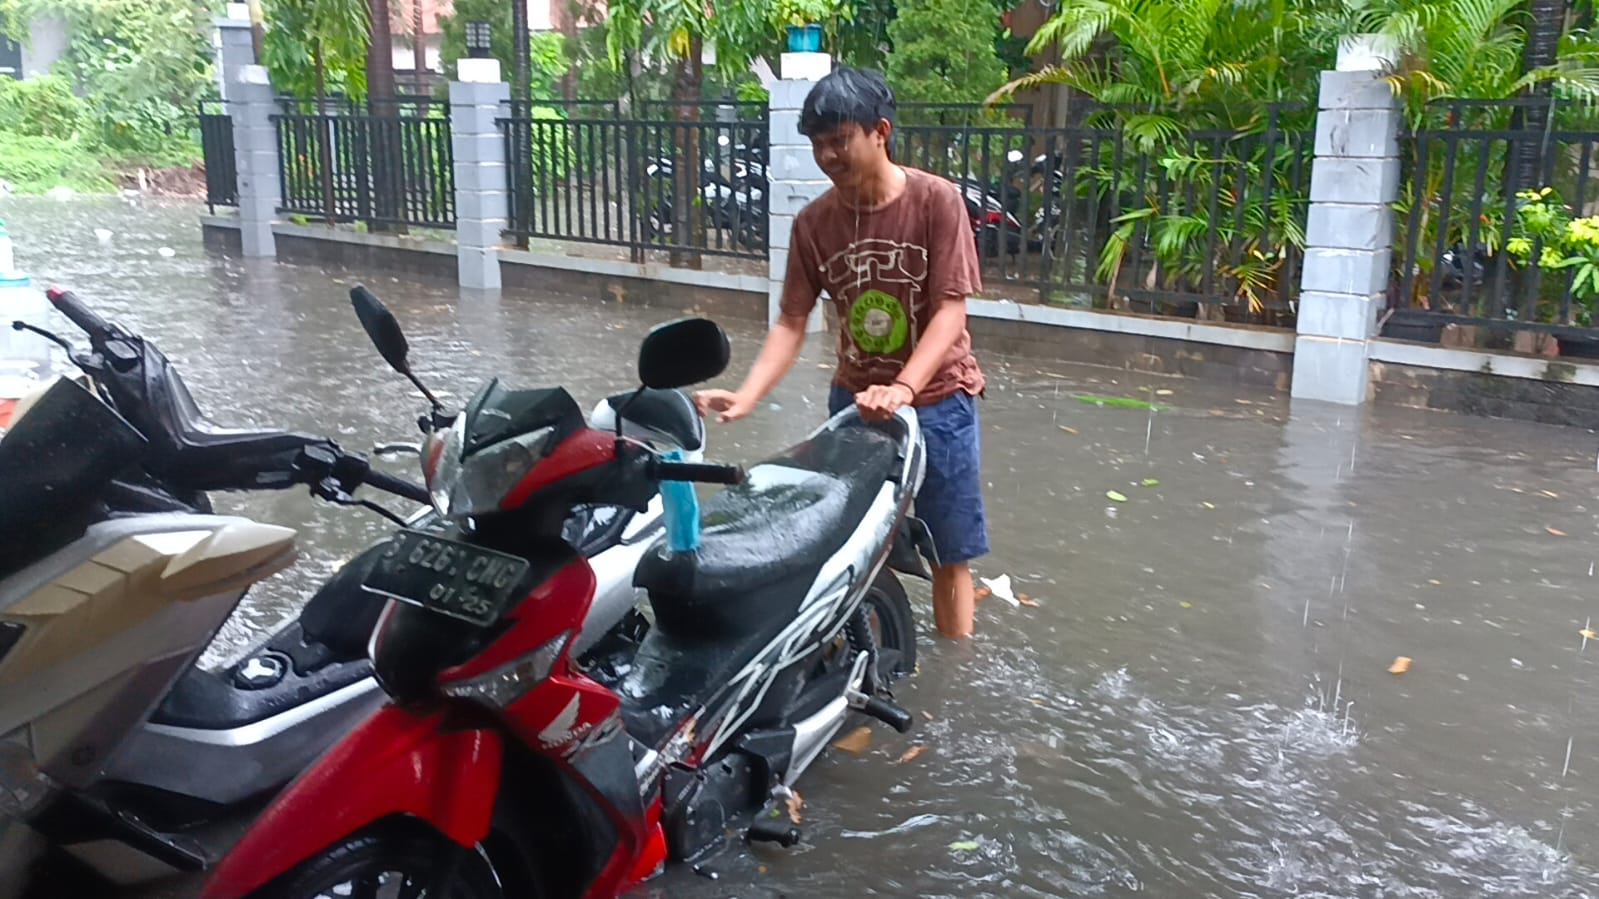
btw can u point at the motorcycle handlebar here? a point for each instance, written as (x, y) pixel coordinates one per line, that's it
(73, 308)
(703, 473)
(397, 486)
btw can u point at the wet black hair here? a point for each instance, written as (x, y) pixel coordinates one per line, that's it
(846, 95)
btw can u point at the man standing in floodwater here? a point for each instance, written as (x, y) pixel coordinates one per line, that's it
(893, 247)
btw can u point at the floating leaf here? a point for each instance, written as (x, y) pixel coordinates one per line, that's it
(926, 714)
(795, 803)
(1119, 402)
(856, 741)
(1435, 582)
(1186, 604)
(912, 754)
(964, 846)
(1209, 505)
(1164, 391)
(1115, 497)
(1072, 431)
(1400, 665)
(1589, 633)
(1151, 482)
(1556, 532)
(1550, 493)
(1026, 600)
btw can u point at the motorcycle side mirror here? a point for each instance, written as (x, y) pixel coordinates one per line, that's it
(382, 328)
(384, 331)
(681, 353)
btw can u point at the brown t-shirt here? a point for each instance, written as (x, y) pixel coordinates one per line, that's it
(886, 269)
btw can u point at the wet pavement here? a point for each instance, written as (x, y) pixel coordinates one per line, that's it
(1199, 704)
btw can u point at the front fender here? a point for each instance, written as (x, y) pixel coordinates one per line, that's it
(397, 762)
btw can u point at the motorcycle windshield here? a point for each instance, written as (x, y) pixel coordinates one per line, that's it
(54, 461)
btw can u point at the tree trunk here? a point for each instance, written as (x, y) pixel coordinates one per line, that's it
(685, 205)
(257, 29)
(1530, 155)
(324, 130)
(380, 54)
(383, 144)
(419, 46)
(564, 18)
(1548, 19)
(520, 38)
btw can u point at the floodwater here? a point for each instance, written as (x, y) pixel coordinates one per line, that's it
(1199, 703)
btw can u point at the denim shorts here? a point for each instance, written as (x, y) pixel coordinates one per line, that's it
(951, 500)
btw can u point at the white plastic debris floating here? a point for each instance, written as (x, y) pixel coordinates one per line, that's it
(1000, 587)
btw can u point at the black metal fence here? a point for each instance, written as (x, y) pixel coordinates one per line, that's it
(383, 163)
(613, 181)
(216, 145)
(1494, 232)
(1209, 225)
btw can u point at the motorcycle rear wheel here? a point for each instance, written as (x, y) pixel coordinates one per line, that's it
(395, 864)
(888, 612)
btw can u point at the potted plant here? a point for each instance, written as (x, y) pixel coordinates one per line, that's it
(802, 21)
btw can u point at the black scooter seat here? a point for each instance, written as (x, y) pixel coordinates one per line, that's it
(764, 540)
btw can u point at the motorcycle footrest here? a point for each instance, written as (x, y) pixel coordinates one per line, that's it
(773, 826)
(889, 712)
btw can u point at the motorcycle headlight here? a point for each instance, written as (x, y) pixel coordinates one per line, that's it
(509, 682)
(476, 484)
(23, 787)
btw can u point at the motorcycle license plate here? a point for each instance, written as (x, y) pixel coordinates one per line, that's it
(457, 579)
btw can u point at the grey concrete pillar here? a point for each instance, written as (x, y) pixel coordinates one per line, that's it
(250, 104)
(795, 179)
(482, 198)
(235, 48)
(1349, 235)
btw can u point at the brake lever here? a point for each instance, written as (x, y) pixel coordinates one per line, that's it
(330, 490)
(386, 450)
(51, 336)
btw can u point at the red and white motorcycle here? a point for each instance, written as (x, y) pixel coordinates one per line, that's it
(506, 766)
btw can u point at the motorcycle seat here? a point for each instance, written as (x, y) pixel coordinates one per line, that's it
(763, 541)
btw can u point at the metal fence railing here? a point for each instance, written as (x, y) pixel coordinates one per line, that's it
(386, 163)
(1493, 233)
(216, 146)
(618, 182)
(1209, 224)
(1203, 224)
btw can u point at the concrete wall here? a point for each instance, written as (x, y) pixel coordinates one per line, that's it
(46, 43)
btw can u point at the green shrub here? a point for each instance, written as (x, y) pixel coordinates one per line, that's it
(34, 164)
(41, 107)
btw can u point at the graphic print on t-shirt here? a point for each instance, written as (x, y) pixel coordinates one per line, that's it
(877, 321)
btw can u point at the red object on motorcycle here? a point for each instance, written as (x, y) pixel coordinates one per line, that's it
(395, 763)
